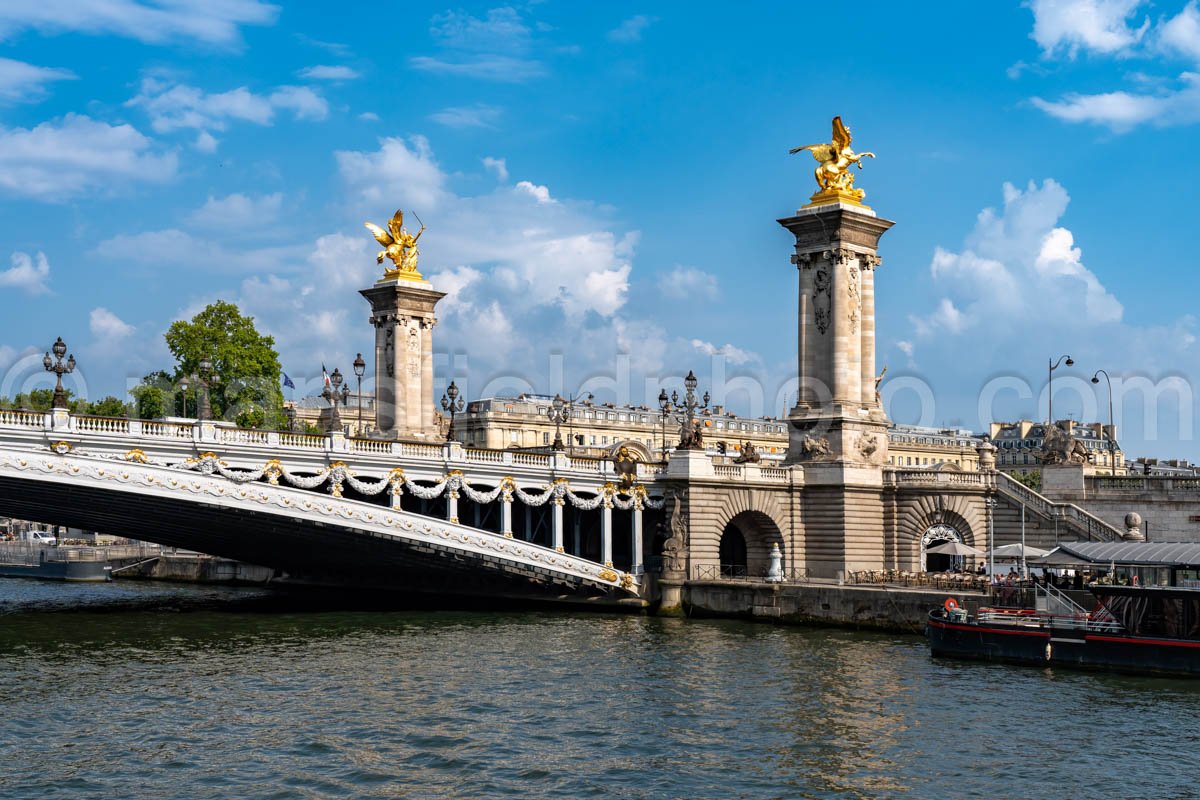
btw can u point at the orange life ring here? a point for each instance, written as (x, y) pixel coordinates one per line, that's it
(951, 604)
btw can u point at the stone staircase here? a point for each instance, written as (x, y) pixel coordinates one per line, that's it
(1072, 517)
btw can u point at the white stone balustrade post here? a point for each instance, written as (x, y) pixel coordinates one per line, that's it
(558, 524)
(635, 566)
(506, 500)
(606, 529)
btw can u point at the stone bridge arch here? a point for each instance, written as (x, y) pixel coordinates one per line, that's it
(926, 519)
(721, 516)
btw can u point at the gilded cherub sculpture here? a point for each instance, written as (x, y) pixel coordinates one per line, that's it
(834, 179)
(400, 246)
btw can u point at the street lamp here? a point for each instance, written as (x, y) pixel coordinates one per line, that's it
(360, 369)
(206, 376)
(453, 404)
(333, 395)
(688, 440)
(558, 412)
(991, 507)
(59, 369)
(664, 403)
(1112, 457)
(1050, 383)
(183, 388)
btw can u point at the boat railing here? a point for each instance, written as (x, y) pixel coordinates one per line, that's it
(1030, 618)
(1054, 601)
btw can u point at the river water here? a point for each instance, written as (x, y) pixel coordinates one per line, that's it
(131, 690)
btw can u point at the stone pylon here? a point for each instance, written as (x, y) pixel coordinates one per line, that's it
(838, 430)
(402, 313)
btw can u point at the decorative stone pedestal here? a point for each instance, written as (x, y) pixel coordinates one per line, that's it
(837, 429)
(402, 313)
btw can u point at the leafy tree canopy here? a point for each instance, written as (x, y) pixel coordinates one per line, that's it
(246, 389)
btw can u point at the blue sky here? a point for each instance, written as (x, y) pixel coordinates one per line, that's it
(601, 184)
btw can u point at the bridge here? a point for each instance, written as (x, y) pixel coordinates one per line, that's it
(446, 519)
(408, 516)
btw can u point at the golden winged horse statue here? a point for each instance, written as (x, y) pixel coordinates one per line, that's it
(834, 179)
(399, 245)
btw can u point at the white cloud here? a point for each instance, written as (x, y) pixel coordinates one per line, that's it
(369, 116)
(631, 29)
(905, 347)
(1123, 111)
(60, 159)
(173, 107)
(734, 355)
(539, 193)
(398, 172)
(324, 72)
(172, 248)
(205, 142)
(27, 273)
(476, 116)
(156, 22)
(1181, 33)
(684, 283)
(21, 81)
(502, 69)
(1015, 270)
(495, 47)
(108, 327)
(498, 166)
(1101, 26)
(238, 211)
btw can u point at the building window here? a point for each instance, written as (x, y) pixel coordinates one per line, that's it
(603, 440)
(545, 437)
(593, 438)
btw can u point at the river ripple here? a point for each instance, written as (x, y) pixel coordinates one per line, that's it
(144, 690)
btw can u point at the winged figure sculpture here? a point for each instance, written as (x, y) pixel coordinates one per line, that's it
(833, 175)
(399, 245)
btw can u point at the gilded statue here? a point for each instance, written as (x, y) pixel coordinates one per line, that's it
(400, 246)
(834, 179)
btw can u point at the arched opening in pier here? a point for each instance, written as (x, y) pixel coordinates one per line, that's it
(938, 535)
(733, 552)
(746, 542)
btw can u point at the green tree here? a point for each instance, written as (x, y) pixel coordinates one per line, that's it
(108, 407)
(1032, 479)
(247, 389)
(152, 397)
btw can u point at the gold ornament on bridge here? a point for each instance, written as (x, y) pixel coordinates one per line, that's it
(834, 179)
(400, 246)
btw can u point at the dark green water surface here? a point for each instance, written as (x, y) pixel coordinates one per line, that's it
(153, 691)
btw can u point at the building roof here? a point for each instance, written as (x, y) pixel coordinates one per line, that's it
(1161, 554)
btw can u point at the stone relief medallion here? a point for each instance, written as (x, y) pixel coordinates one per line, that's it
(868, 444)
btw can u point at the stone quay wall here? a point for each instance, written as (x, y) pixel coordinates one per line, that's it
(863, 607)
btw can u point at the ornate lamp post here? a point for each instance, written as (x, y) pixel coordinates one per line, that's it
(360, 369)
(664, 404)
(452, 404)
(1112, 445)
(1050, 382)
(688, 440)
(205, 377)
(333, 395)
(59, 369)
(991, 508)
(558, 412)
(183, 388)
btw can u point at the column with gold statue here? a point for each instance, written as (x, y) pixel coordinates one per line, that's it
(402, 312)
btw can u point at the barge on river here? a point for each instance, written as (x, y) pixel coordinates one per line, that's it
(1145, 618)
(74, 564)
